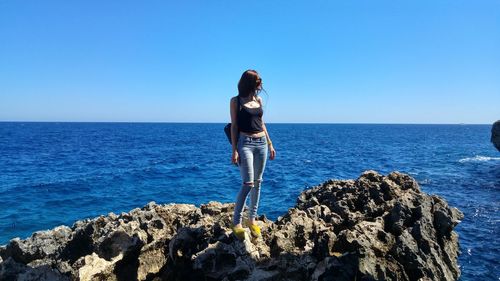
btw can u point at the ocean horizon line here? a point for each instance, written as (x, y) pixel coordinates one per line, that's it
(285, 123)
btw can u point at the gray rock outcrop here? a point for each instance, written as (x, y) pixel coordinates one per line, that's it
(495, 134)
(373, 228)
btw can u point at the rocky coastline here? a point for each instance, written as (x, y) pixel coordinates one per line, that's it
(495, 134)
(373, 228)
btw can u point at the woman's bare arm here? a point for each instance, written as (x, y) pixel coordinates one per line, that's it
(269, 142)
(233, 104)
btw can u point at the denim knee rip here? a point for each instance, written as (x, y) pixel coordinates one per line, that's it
(253, 154)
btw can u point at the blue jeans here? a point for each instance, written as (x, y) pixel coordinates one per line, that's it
(253, 155)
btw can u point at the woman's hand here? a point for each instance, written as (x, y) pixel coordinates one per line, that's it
(272, 152)
(235, 158)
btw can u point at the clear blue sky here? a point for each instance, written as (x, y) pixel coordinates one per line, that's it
(180, 61)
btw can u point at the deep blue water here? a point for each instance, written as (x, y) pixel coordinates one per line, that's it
(57, 173)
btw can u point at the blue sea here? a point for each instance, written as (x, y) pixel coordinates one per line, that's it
(57, 173)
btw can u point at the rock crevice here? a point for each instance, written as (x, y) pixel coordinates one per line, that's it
(373, 228)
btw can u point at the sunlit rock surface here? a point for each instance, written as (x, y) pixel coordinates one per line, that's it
(373, 228)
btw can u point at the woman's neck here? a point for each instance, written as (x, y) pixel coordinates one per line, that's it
(249, 98)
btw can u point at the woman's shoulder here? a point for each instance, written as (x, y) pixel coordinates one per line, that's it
(259, 99)
(234, 99)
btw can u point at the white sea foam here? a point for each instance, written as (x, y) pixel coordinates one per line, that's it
(425, 181)
(478, 158)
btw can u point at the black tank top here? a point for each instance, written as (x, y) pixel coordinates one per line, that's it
(250, 119)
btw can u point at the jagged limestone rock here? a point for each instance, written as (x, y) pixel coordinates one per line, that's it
(376, 227)
(495, 134)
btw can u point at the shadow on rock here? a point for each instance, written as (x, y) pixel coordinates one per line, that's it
(373, 228)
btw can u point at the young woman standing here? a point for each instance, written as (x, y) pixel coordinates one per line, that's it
(251, 144)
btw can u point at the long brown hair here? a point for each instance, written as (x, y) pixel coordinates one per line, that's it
(249, 84)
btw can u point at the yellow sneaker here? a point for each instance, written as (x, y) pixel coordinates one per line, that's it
(254, 229)
(239, 232)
